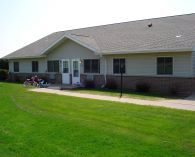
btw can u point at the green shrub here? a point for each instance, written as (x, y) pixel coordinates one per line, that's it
(4, 64)
(89, 84)
(3, 74)
(111, 84)
(142, 87)
(18, 79)
(173, 91)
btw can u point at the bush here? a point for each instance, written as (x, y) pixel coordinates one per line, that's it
(4, 64)
(142, 87)
(17, 79)
(3, 74)
(111, 84)
(174, 89)
(89, 84)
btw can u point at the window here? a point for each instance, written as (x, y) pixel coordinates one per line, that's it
(75, 69)
(164, 65)
(118, 66)
(35, 66)
(65, 66)
(16, 66)
(53, 66)
(91, 66)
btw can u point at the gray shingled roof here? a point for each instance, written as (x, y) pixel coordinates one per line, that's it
(37, 48)
(174, 33)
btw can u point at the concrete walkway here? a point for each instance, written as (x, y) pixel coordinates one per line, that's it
(185, 104)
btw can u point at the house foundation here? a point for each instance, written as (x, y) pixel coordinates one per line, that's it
(166, 85)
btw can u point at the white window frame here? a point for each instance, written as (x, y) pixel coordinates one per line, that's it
(157, 66)
(37, 66)
(62, 66)
(18, 67)
(113, 65)
(90, 72)
(58, 67)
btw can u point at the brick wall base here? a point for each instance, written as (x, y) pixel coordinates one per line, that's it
(165, 85)
(182, 85)
(99, 80)
(58, 78)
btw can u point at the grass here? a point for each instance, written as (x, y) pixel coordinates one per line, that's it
(46, 125)
(127, 94)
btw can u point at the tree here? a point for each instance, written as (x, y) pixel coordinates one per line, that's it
(4, 64)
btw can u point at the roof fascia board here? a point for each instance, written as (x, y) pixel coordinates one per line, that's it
(26, 57)
(146, 51)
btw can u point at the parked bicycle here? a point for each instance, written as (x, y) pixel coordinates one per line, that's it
(35, 82)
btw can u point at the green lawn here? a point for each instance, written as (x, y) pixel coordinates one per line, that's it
(48, 125)
(127, 94)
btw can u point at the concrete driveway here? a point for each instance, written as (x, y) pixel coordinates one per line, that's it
(184, 104)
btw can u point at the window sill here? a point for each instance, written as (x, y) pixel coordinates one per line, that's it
(119, 74)
(92, 73)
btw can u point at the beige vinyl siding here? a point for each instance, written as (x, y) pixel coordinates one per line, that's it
(193, 63)
(182, 64)
(136, 64)
(67, 50)
(71, 50)
(146, 64)
(25, 65)
(11, 68)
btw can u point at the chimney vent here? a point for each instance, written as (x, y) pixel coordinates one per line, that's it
(150, 25)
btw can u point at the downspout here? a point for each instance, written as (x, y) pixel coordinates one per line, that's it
(105, 67)
(193, 61)
(105, 72)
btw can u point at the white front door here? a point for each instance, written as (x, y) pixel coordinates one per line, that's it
(65, 71)
(75, 71)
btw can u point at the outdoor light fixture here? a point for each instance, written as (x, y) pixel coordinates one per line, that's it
(81, 61)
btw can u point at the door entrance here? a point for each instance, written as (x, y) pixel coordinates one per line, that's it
(65, 71)
(75, 71)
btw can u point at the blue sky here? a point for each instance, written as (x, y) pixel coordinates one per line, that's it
(24, 21)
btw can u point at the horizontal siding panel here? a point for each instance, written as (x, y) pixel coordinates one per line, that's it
(145, 64)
